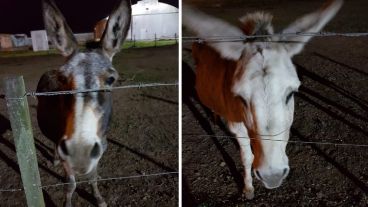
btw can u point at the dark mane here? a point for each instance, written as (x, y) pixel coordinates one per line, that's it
(90, 45)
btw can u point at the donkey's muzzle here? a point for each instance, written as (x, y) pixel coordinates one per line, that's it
(273, 179)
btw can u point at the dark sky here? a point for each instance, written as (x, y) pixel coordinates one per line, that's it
(22, 16)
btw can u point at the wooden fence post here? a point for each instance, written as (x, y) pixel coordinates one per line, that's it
(23, 138)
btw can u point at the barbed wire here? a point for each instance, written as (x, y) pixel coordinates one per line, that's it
(70, 92)
(280, 140)
(224, 38)
(96, 180)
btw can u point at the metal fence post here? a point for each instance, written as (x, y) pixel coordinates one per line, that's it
(176, 39)
(23, 138)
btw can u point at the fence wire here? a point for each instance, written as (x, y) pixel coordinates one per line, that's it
(263, 38)
(163, 38)
(278, 140)
(97, 180)
(54, 93)
(70, 92)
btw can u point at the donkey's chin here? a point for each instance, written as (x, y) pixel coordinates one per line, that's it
(85, 173)
(272, 184)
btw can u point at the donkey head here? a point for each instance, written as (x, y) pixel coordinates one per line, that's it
(84, 142)
(265, 79)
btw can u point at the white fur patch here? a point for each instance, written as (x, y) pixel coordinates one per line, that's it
(86, 124)
(89, 124)
(268, 78)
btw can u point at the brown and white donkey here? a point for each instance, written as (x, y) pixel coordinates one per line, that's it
(251, 84)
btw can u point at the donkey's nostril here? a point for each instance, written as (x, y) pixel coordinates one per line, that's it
(110, 80)
(286, 172)
(258, 175)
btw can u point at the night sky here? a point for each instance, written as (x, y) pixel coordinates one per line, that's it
(22, 16)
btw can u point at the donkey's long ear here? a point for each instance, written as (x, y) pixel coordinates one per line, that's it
(206, 26)
(117, 28)
(58, 30)
(312, 22)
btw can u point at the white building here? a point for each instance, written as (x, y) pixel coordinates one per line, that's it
(150, 18)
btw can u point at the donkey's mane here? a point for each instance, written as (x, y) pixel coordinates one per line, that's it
(257, 23)
(90, 45)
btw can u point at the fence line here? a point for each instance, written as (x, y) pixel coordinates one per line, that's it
(279, 140)
(155, 13)
(54, 93)
(97, 180)
(224, 38)
(175, 37)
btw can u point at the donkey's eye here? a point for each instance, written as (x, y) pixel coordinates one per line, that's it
(95, 151)
(110, 80)
(288, 97)
(245, 104)
(63, 147)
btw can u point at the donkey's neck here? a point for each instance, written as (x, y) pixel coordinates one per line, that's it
(214, 80)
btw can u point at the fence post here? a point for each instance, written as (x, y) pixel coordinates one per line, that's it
(23, 138)
(176, 40)
(134, 41)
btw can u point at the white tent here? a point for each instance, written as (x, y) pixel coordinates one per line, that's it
(152, 19)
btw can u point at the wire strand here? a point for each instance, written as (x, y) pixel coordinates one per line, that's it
(54, 93)
(225, 38)
(97, 180)
(279, 140)
(140, 85)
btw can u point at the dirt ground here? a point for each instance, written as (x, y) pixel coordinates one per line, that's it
(332, 106)
(143, 135)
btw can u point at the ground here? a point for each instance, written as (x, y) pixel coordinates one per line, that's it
(143, 135)
(332, 106)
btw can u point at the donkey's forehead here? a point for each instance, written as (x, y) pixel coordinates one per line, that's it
(267, 68)
(271, 62)
(92, 60)
(279, 62)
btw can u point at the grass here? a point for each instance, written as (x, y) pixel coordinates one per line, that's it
(142, 44)
(126, 45)
(26, 53)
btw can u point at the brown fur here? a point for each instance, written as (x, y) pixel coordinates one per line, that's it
(215, 76)
(61, 106)
(99, 29)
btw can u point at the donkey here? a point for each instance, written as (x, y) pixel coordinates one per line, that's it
(251, 84)
(78, 123)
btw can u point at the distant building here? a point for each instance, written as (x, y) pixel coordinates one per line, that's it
(6, 41)
(151, 18)
(20, 40)
(11, 41)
